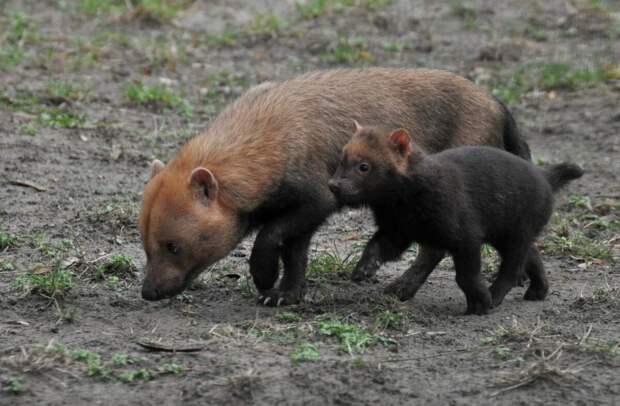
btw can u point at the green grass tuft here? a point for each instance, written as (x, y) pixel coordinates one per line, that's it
(139, 374)
(7, 240)
(246, 287)
(225, 78)
(312, 8)
(51, 283)
(172, 368)
(594, 345)
(353, 338)
(61, 118)
(536, 32)
(390, 319)
(466, 12)
(157, 97)
(22, 101)
(502, 352)
(282, 335)
(15, 35)
(161, 10)
(64, 89)
(266, 24)
(347, 51)
(392, 46)
(318, 8)
(578, 245)
(55, 117)
(14, 385)
(376, 4)
(30, 128)
(94, 366)
(93, 7)
(226, 38)
(120, 359)
(305, 352)
(584, 229)
(118, 265)
(6, 265)
(552, 76)
(288, 317)
(41, 243)
(330, 263)
(154, 10)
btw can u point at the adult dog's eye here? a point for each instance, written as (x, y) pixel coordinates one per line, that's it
(364, 167)
(172, 248)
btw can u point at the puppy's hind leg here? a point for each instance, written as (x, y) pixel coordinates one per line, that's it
(381, 248)
(408, 284)
(467, 264)
(511, 268)
(539, 286)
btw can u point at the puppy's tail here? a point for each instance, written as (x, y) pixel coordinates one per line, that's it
(560, 175)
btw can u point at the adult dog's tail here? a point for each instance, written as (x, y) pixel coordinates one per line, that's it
(513, 140)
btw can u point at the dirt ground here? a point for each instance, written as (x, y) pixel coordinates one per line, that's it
(93, 90)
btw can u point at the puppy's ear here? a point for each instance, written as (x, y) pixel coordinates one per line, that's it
(358, 127)
(401, 140)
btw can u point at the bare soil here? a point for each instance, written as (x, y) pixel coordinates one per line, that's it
(564, 350)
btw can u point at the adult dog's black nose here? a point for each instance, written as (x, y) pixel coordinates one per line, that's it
(149, 291)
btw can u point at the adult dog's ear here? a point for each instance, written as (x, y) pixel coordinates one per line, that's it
(203, 185)
(156, 167)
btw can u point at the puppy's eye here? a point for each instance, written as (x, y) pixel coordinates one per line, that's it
(172, 248)
(364, 167)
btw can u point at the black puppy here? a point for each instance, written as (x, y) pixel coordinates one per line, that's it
(455, 200)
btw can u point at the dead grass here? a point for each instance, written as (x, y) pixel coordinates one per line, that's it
(546, 369)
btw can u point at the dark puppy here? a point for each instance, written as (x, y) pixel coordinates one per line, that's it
(456, 201)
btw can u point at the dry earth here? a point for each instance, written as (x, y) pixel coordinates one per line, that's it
(93, 90)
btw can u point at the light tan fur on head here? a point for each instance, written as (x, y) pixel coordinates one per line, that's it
(189, 216)
(376, 143)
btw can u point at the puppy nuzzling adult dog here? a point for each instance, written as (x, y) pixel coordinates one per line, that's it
(455, 201)
(264, 164)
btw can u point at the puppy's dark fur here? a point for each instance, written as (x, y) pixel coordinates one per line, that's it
(455, 200)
